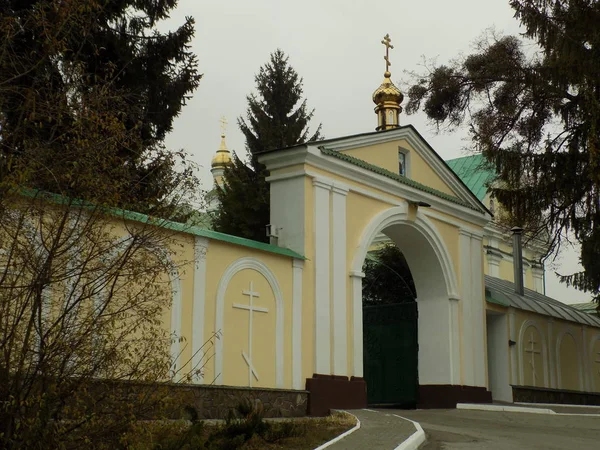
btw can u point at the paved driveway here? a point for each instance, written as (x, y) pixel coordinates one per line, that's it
(467, 430)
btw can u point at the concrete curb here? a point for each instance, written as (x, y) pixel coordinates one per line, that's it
(559, 405)
(341, 436)
(488, 407)
(415, 440)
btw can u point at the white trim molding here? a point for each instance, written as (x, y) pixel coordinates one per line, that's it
(251, 263)
(357, 323)
(544, 351)
(198, 309)
(592, 360)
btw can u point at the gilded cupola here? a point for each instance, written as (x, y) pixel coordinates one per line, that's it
(222, 158)
(387, 97)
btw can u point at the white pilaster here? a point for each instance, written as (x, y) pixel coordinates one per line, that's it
(478, 307)
(538, 279)
(357, 319)
(198, 314)
(551, 354)
(514, 380)
(322, 276)
(298, 266)
(340, 326)
(467, 343)
(454, 318)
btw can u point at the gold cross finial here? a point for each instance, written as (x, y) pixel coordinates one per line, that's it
(387, 42)
(223, 125)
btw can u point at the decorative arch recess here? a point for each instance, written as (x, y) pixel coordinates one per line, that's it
(580, 366)
(524, 327)
(235, 267)
(398, 215)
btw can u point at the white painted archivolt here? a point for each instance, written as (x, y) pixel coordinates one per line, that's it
(235, 267)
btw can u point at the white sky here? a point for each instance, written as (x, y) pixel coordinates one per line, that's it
(335, 46)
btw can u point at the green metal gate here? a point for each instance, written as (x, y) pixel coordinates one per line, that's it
(390, 357)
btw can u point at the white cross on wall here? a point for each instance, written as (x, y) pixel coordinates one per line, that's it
(532, 351)
(598, 361)
(250, 308)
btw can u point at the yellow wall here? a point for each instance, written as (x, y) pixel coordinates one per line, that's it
(386, 156)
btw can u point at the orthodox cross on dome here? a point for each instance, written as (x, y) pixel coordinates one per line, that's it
(532, 351)
(251, 309)
(387, 42)
(223, 121)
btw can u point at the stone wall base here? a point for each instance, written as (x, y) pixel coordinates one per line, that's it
(531, 394)
(335, 392)
(448, 395)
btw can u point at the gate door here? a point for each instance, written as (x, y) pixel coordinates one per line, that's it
(391, 354)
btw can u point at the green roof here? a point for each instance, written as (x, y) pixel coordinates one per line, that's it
(163, 223)
(404, 180)
(473, 172)
(589, 307)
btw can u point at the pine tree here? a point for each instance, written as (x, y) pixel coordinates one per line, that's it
(277, 118)
(55, 53)
(536, 119)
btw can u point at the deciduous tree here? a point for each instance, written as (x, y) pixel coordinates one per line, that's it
(533, 109)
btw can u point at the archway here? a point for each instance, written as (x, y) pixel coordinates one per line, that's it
(390, 350)
(435, 283)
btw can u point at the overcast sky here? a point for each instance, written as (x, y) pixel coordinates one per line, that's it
(335, 46)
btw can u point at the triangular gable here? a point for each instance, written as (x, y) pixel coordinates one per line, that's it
(417, 144)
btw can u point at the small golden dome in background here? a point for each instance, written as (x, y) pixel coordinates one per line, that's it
(387, 92)
(223, 157)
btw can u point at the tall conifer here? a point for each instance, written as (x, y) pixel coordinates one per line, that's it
(276, 118)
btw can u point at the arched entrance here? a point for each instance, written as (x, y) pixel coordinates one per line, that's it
(436, 344)
(390, 347)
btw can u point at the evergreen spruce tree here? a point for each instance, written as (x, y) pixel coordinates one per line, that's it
(46, 75)
(536, 119)
(276, 118)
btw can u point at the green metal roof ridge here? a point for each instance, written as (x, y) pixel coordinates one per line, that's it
(386, 173)
(164, 223)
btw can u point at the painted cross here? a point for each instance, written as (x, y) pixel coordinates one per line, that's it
(532, 351)
(598, 361)
(251, 309)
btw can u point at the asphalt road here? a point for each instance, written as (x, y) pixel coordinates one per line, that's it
(468, 430)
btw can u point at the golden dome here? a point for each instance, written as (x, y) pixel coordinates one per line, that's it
(223, 157)
(387, 92)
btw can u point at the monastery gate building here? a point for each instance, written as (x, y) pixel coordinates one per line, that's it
(290, 313)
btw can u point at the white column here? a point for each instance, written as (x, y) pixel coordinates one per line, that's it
(322, 277)
(298, 266)
(340, 327)
(357, 323)
(478, 307)
(551, 353)
(467, 342)
(513, 348)
(198, 314)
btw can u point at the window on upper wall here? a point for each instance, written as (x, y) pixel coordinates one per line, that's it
(402, 163)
